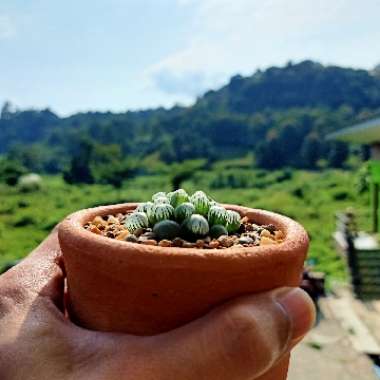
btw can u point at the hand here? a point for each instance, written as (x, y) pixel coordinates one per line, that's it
(237, 341)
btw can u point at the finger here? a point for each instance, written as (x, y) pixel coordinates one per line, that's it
(40, 273)
(240, 340)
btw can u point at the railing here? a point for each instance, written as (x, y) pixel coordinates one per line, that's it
(363, 263)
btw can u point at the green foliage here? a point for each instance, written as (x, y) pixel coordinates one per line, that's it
(338, 154)
(80, 170)
(315, 209)
(277, 117)
(311, 151)
(10, 171)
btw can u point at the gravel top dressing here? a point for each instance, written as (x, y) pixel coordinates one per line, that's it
(176, 219)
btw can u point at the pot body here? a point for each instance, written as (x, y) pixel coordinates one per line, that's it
(145, 290)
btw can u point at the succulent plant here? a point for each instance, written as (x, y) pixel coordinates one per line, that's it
(196, 225)
(175, 214)
(184, 211)
(160, 211)
(213, 203)
(201, 202)
(144, 207)
(158, 195)
(218, 230)
(217, 215)
(166, 229)
(161, 199)
(135, 221)
(178, 197)
(233, 221)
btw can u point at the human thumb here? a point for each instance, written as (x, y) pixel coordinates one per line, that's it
(239, 340)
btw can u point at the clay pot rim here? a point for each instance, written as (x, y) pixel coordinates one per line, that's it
(295, 236)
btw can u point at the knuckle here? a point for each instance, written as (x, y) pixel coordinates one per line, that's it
(244, 341)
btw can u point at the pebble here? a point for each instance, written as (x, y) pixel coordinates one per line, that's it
(186, 244)
(122, 235)
(112, 220)
(139, 232)
(266, 241)
(110, 234)
(178, 242)
(149, 242)
(265, 233)
(95, 230)
(200, 243)
(214, 244)
(226, 241)
(165, 243)
(246, 240)
(99, 220)
(271, 228)
(132, 238)
(120, 217)
(148, 236)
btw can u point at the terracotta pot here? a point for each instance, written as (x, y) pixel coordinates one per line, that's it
(144, 290)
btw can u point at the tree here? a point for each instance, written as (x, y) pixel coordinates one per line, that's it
(108, 166)
(80, 170)
(376, 71)
(10, 171)
(6, 111)
(311, 151)
(338, 153)
(266, 155)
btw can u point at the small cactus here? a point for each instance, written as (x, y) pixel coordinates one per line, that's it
(135, 221)
(166, 229)
(213, 203)
(158, 200)
(218, 230)
(175, 214)
(160, 211)
(158, 195)
(217, 215)
(144, 207)
(178, 197)
(201, 202)
(197, 225)
(184, 211)
(233, 221)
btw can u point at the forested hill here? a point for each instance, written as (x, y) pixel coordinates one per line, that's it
(307, 84)
(281, 115)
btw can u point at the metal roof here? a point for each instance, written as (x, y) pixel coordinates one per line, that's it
(367, 132)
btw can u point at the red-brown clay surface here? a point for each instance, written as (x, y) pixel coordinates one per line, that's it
(144, 290)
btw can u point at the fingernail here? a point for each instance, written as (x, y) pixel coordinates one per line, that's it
(300, 310)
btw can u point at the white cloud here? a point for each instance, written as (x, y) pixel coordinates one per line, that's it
(230, 36)
(7, 28)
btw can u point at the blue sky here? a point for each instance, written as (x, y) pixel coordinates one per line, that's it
(131, 54)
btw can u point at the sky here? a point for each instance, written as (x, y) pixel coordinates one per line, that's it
(118, 55)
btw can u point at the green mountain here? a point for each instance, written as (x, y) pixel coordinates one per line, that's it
(281, 115)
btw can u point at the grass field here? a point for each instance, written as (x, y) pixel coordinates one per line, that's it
(312, 198)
